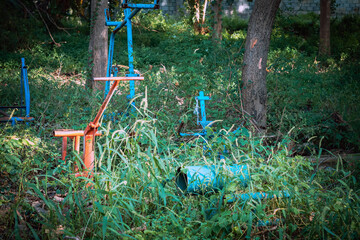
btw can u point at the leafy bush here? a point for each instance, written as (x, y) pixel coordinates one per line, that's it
(345, 36)
(233, 24)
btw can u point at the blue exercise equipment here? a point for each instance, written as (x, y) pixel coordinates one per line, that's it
(206, 179)
(203, 122)
(24, 100)
(214, 178)
(130, 10)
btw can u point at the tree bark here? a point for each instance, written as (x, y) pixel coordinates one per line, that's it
(198, 14)
(217, 27)
(325, 14)
(98, 44)
(254, 93)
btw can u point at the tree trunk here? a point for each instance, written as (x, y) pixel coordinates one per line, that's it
(254, 93)
(197, 7)
(325, 14)
(198, 15)
(98, 45)
(217, 28)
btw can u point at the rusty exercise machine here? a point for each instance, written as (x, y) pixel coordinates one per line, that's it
(130, 10)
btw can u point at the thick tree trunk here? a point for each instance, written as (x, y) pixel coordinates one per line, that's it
(217, 28)
(98, 45)
(254, 93)
(325, 14)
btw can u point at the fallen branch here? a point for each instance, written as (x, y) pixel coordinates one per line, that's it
(264, 231)
(334, 159)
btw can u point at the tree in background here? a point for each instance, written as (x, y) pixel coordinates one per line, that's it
(254, 92)
(98, 44)
(325, 14)
(217, 26)
(31, 16)
(198, 15)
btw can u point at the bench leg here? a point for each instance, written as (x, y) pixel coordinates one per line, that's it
(64, 147)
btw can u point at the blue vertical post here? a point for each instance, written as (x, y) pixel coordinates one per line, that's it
(26, 87)
(202, 99)
(22, 84)
(110, 61)
(127, 12)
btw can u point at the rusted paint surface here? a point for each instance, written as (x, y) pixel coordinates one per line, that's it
(70, 133)
(89, 136)
(63, 149)
(4, 119)
(77, 144)
(95, 124)
(89, 154)
(119, 79)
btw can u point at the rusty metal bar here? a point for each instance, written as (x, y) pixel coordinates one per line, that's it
(119, 79)
(77, 149)
(70, 133)
(89, 153)
(19, 119)
(89, 136)
(95, 124)
(77, 144)
(64, 148)
(91, 130)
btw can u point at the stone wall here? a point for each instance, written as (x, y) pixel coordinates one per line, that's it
(171, 7)
(342, 7)
(243, 7)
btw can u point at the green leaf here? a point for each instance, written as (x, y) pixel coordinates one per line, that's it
(329, 231)
(33, 232)
(104, 226)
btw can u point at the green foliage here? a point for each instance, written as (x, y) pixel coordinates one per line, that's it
(312, 102)
(298, 31)
(233, 24)
(345, 36)
(133, 194)
(315, 106)
(20, 27)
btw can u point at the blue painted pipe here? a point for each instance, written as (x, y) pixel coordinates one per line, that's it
(192, 134)
(14, 120)
(110, 61)
(262, 223)
(111, 23)
(143, 6)
(257, 196)
(202, 98)
(127, 19)
(201, 179)
(25, 82)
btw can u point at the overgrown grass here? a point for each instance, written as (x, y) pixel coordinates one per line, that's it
(133, 194)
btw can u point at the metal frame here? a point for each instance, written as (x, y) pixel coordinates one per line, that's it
(24, 99)
(203, 122)
(91, 130)
(130, 10)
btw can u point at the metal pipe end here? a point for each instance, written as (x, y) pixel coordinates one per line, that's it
(181, 180)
